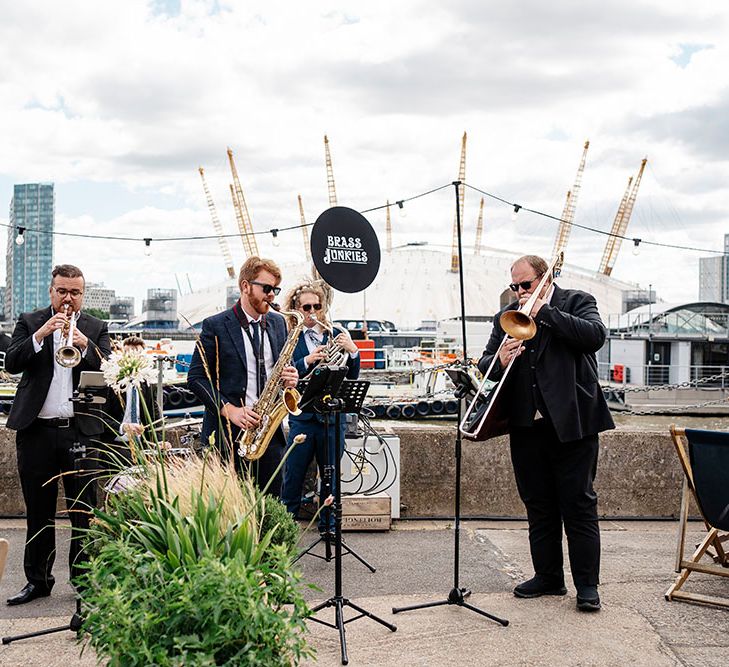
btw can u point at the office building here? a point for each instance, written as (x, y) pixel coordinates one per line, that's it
(98, 296)
(29, 254)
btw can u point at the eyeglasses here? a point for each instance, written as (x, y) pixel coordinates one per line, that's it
(62, 291)
(306, 307)
(524, 284)
(267, 289)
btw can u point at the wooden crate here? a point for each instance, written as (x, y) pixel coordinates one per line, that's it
(360, 512)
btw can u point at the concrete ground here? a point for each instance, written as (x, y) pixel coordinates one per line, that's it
(414, 565)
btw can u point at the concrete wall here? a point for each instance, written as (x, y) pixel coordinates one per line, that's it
(638, 474)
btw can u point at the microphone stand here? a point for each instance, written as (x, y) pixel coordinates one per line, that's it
(458, 594)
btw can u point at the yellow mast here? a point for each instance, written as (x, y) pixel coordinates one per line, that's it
(570, 205)
(330, 174)
(461, 202)
(241, 211)
(479, 230)
(227, 257)
(620, 224)
(304, 231)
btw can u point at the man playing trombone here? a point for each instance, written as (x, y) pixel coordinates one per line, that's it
(555, 410)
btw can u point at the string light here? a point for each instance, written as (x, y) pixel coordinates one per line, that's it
(19, 239)
(276, 239)
(636, 247)
(147, 247)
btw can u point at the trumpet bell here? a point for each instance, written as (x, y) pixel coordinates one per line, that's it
(518, 325)
(68, 356)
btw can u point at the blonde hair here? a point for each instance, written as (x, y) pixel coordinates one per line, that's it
(293, 300)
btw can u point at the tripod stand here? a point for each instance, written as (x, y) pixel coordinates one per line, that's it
(74, 625)
(84, 395)
(457, 594)
(328, 472)
(337, 396)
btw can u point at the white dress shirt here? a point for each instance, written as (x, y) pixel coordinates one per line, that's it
(58, 400)
(252, 384)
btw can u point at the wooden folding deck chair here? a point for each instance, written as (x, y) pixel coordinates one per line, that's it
(705, 464)
(3, 556)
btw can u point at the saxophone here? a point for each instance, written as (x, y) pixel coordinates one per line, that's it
(275, 399)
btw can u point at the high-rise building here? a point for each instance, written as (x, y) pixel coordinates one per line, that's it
(714, 276)
(29, 255)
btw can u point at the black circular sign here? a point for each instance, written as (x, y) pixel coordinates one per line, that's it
(345, 249)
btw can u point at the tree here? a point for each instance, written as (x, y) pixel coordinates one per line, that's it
(97, 312)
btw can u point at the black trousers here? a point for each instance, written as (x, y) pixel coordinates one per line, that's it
(555, 484)
(44, 453)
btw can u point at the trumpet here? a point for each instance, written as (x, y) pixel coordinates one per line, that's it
(481, 419)
(67, 355)
(334, 353)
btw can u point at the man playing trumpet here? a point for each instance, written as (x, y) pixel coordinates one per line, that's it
(48, 424)
(555, 410)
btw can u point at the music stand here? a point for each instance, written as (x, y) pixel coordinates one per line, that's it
(322, 382)
(340, 396)
(88, 392)
(458, 593)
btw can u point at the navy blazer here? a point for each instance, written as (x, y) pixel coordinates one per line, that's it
(571, 332)
(37, 368)
(218, 372)
(302, 351)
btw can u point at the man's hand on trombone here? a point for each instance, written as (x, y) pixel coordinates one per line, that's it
(509, 350)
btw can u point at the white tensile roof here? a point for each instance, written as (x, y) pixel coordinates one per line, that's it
(415, 283)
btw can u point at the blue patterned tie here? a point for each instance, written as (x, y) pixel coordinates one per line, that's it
(134, 411)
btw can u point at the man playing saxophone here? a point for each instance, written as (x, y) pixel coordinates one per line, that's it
(316, 346)
(235, 355)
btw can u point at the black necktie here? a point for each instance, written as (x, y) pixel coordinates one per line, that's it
(257, 342)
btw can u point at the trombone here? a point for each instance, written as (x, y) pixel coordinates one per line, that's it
(517, 325)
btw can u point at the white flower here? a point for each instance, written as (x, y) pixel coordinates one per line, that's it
(122, 369)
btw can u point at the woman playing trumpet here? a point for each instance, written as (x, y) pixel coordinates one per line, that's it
(314, 347)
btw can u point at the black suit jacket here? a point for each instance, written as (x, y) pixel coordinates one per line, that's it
(570, 333)
(37, 368)
(218, 372)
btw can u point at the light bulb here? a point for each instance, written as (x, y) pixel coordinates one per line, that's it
(276, 239)
(147, 247)
(402, 211)
(515, 211)
(636, 247)
(20, 238)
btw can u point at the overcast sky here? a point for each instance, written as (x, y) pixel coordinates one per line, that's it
(118, 103)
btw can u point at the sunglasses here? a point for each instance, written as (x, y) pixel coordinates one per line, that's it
(524, 284)
(62, 291)
(308, 306)
(267, 289)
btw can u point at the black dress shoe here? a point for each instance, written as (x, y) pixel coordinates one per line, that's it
(588, 599)
(28, 593)
(538, 586)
